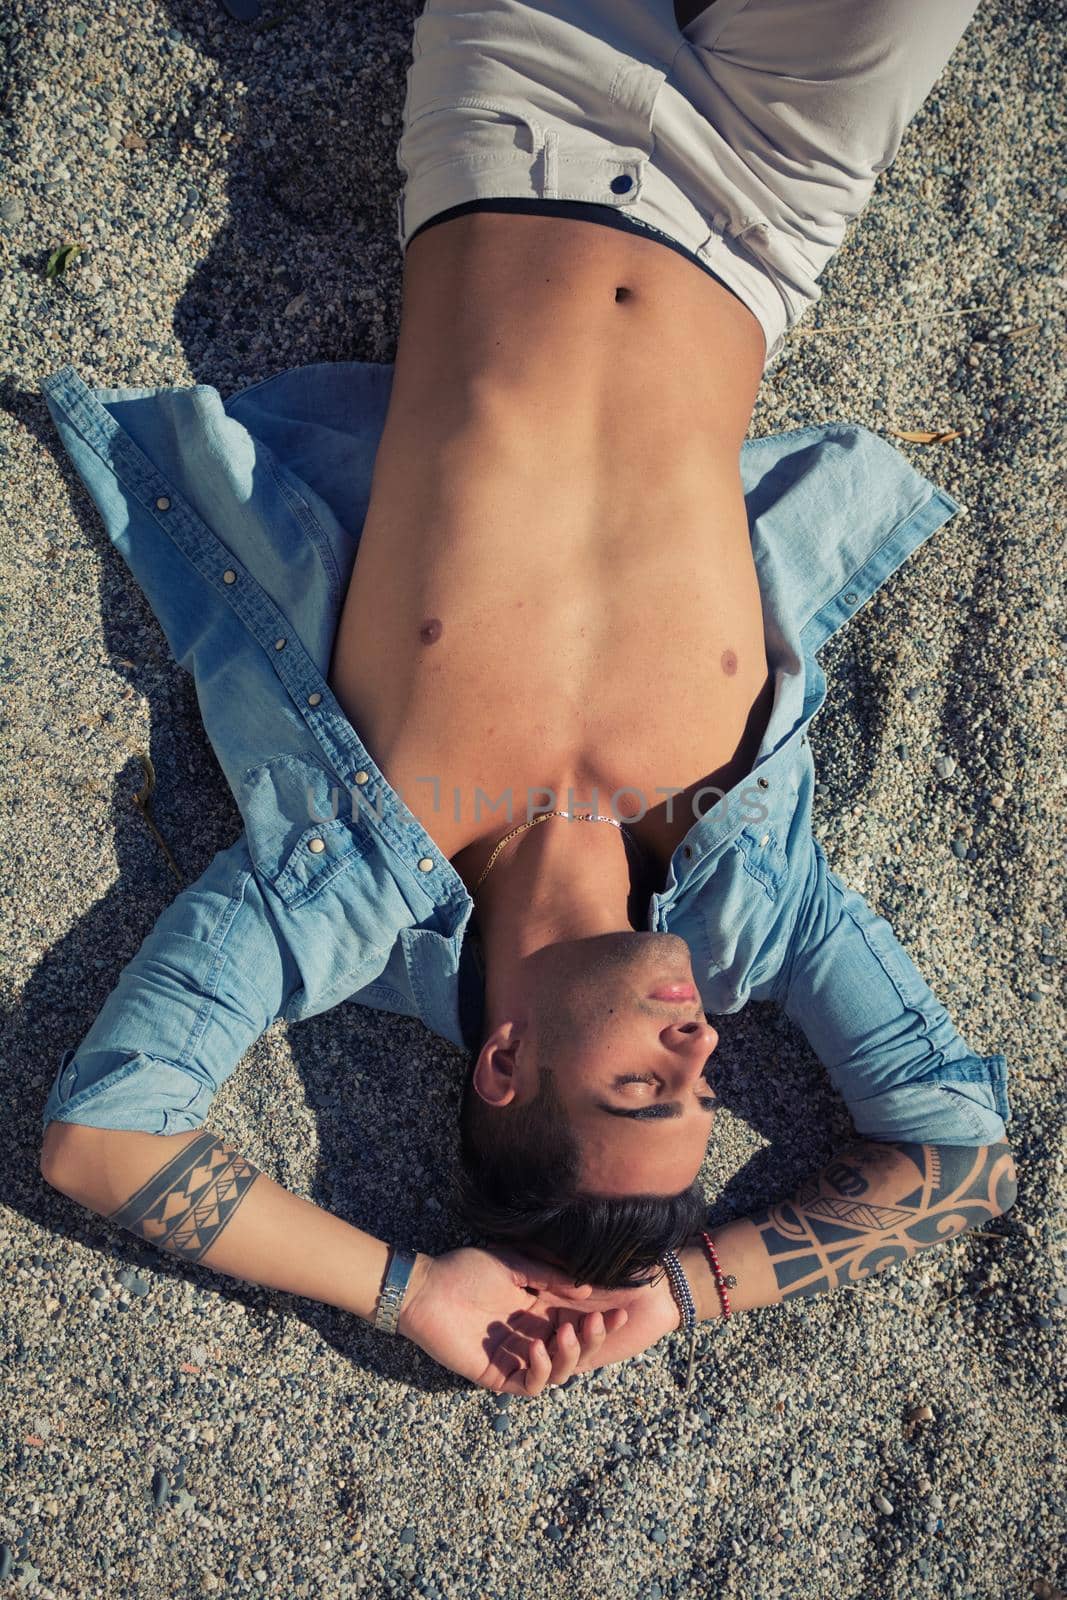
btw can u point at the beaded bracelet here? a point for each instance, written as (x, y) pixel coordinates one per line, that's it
(679, 1286)
(723, 1281)
(680, 1289)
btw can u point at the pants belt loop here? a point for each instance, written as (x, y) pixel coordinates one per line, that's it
(550, 158)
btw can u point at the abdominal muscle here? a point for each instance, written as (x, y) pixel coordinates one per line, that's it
(554, 589)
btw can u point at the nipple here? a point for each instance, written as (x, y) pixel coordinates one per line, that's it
(728, 662)
(431, 630)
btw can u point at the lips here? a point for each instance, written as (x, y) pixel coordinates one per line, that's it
(678, 992)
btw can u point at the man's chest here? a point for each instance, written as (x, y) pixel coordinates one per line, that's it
(555, 583)
(486, 691)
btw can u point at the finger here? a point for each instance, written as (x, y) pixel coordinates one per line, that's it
(539, 1367)
(615, 1317)
(566, 1350)
(515, 1355)
(543, 1368)
(505, 1371)
(499, 1378)
(594, 1330)
(513, 1369)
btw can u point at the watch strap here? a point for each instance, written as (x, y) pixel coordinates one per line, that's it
(394, 1287)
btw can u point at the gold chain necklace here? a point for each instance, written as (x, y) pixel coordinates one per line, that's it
(615, 823)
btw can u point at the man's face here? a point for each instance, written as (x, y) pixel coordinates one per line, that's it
(624, 1033)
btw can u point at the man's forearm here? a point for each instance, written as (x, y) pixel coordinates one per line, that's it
(873, 1205)
(194, 1196)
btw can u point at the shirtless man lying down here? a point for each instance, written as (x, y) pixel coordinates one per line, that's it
(562, 660)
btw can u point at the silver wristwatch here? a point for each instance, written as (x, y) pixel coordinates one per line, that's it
(394, 1288)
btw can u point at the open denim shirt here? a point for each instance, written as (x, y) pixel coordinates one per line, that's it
(241, 520)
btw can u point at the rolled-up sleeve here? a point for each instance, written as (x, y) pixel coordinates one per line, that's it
(208, 980)
(889, 1046)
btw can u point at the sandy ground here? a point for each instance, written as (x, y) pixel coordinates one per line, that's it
(170, 1432)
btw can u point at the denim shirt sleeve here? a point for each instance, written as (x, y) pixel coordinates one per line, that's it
(889, 1046)
(209, 978)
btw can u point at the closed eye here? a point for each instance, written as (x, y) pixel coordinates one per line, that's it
(672, 1108)
(669, 1109)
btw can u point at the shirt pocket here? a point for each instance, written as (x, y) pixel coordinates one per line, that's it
(763, 858)
(301, 833)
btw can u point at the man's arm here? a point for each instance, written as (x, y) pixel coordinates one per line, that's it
(931, 1159)
(194, 1196)
(873, 1205)
(889, 1046)
(207, 981)
(125, 1134)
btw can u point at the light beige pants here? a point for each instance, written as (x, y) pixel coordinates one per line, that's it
(752, 137)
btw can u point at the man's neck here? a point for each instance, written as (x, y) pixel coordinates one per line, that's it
(557, 881)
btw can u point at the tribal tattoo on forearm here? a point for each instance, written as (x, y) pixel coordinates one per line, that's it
(878, 1203)
(187, 1203)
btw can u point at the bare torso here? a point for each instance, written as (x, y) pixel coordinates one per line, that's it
(554, 585)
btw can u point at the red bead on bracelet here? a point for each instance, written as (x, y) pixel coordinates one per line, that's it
(721, 1279)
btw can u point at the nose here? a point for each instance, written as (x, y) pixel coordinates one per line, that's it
(694, 1034)
(692, 1043)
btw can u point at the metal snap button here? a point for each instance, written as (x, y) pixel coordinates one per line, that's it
(229, 576)
(313, 699)
(765, 841)
(622, 184)
(764, 783)
(426, 864)
(162, 504)
(317, 845)
(362, 778)
(279, 644)
(851, 598)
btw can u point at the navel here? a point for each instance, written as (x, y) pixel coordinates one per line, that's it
(622, 293)
(431, 630)
(728, 662)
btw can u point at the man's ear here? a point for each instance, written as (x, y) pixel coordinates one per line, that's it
(496, 1072)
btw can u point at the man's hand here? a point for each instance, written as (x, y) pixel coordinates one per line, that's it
(507, 1324)
(648, 1314)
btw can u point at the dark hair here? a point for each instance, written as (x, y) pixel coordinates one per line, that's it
(518, 1184)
